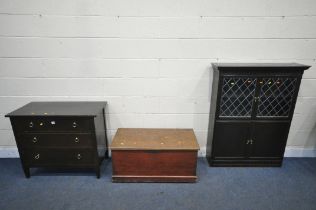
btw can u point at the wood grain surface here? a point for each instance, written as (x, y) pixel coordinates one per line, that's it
(154, 139)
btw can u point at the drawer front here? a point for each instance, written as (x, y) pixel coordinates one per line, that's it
(62, 140)
(57, 124)
(55, 157)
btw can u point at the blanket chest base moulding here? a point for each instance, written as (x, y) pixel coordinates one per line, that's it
(154, 155)
(60, 135)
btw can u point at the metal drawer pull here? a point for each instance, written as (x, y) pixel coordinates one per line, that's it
(74, 124)
(34, 139)
(77, 140)
(31, 124)
(79, 156)
(37, 156)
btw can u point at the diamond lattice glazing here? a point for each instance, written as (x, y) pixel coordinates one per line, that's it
(237, 97)
(276, 96)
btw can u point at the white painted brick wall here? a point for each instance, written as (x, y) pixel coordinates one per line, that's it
(150, 59)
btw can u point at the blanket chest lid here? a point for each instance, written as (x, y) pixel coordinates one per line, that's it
(154, 139)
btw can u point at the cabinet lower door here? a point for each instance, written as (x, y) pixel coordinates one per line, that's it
(230, 140)
(268, 139)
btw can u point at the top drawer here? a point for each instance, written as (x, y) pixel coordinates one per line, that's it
(52, 124)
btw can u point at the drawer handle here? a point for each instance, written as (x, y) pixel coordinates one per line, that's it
(79, 156)
(74, 124)
(77, 140)
(31, 124)
(34, 139)
(36, 157)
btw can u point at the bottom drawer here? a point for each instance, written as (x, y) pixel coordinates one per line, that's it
(55, 157)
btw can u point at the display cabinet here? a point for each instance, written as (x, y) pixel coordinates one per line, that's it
(251, 111)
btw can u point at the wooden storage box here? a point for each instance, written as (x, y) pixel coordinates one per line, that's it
(154, 155)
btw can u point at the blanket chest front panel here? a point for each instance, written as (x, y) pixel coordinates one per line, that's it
(153, 165)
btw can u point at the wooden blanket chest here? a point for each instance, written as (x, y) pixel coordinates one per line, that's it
(154, 155)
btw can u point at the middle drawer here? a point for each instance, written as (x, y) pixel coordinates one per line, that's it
(71, 140)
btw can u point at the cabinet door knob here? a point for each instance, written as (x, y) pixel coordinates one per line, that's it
(36, 157)
(34, 139)
(31, 124)
(256, 99)
(79, 156)
(77, 140)
(250, 141)
(74, 124)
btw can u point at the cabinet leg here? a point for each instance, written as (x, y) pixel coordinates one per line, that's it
(97, 172)
(26, 172)
(106, 154)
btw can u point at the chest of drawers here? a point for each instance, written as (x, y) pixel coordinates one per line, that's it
(60, 134)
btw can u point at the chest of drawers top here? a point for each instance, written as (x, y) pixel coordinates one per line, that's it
(59, 109)
(56, 116)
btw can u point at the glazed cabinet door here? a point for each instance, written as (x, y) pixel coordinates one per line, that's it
(236, 97)
(268, 139)
(230, 140)
(276, 97)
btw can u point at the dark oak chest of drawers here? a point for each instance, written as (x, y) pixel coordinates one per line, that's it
(60, 134)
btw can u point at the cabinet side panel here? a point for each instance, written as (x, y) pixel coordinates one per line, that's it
(298, 84)
(100, 131)
(213, 106)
